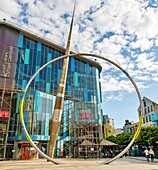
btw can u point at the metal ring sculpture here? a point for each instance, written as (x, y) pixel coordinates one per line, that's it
(76, 55)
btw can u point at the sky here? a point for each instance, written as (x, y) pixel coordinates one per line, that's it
(124, 31)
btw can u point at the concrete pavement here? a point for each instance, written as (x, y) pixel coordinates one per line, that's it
(141, 158)
(79, 164)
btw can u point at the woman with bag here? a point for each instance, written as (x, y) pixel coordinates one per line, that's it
(151, 153)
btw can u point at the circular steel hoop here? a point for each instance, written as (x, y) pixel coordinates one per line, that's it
(77, 55)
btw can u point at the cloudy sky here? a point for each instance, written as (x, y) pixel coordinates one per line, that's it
(125, 31)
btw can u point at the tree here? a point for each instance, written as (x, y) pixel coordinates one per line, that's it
(111, 138)
(124, 138)
(148, 135)
(121, 139)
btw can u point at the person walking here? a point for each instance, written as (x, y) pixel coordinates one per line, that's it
(151, 153)
(147, 154)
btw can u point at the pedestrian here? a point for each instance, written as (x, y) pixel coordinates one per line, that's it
(151, 153)
(147, 154)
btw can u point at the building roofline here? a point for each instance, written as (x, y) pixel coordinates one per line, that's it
(46, 41)
(150, 100)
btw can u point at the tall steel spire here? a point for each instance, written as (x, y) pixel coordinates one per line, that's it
(58, 109)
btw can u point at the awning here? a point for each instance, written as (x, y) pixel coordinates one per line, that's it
(87, 143)
(107, 143)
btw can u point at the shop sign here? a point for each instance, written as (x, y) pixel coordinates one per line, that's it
(6, 65)
(4, 114)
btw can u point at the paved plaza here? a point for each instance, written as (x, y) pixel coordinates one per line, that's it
(72, 164)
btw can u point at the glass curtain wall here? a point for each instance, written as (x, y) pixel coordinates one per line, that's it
(81, 86)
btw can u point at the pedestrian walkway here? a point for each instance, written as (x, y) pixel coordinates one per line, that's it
(79, 164)
(141, 158)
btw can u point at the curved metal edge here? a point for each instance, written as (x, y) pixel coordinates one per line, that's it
(129, 145)
(69, 55)
(22, 116)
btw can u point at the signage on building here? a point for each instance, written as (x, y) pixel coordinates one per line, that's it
(6, 63)
(8, 57)
(4, 114)
(86, 115)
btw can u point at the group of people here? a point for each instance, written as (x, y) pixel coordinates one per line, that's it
(149, 154)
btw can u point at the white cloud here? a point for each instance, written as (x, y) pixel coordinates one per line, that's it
(133, 26)
(155, 79)
(108, 48)
(143, 44)
(113, 97)
(156, 41)
(144, 62)
(111, 83)
(8, 9)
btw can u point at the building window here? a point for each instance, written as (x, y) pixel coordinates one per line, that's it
(144, 103)
(146, 119)
(143, 120)
(149, 117)
(148, 109)
(151, 108)
(145, 111)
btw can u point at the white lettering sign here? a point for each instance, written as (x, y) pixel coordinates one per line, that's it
(6, 66)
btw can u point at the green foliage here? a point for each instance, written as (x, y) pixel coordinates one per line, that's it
(124, 138)
(147, 136)
(121, 139)
(111, 138)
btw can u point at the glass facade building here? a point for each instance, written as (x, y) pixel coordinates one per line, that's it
(22, 54)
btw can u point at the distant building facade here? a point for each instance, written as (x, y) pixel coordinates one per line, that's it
(108, 126)
(130, 127)
(118, 131)
(150, 114)
(107, 120)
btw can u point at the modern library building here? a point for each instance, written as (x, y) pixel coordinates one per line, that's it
(22, 54)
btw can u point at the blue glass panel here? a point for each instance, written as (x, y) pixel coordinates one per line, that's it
(154, 117)
(49, 75)
(87, 68)
(85, 94)
(23, 84)
(39, 46)
(37, 102)
(48, 87)
(72, 64)
(58, 76)
(76, 79)
(27, 55)
(13, 124)
(100, 92)
(38, 58)
(20, 43)
(64, 117)
(49, 59)
(43, 124)
(47, 124)
(69, 90)
(17, 103)
(98, 97)
(37, 76)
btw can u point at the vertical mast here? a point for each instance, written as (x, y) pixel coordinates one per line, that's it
(58, 108)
